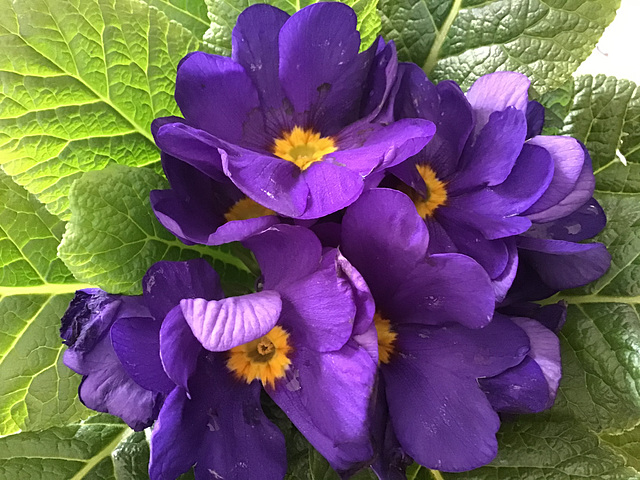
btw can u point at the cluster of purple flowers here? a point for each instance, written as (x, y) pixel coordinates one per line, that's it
(402, 230)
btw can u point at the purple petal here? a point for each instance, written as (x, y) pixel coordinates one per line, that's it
(381, 78)
(535, 118)
(446, 106)
(568, 159)
(321, 71)
(498, 91)
(551, 316)
(563, 265)
(491, 223)
(179, 348)
(331, 188)
(384, 237)
(490, 159)
(320, 309)
(255, 47)
(166, 283)
(586, 222)
(220, 325)
(531, 386)
(527, 182)
(107, 388)
(493, 255)
(221, 429)
(432, 293)
(327, 396)
(192, 146)
(274, 249)
(215, 94)
(365, 307)
(367, 147)
(439, 414)
(136, 342)
(272, 182)
(581, 193)
(503, 282)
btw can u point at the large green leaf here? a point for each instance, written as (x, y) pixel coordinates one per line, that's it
(80, 83)
(99, 448)
(113, 236)
(223, 15)
(192, 14)
(464, 39)
(36, 389)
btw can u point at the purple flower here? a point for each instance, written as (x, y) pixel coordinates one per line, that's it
(208, 418)
(290, 117)
(532, 385)
(481, 183)
(106, 386)
(204, 209)
(308, 337)
(436, 338)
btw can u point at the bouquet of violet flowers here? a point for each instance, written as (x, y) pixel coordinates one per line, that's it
(333, 240)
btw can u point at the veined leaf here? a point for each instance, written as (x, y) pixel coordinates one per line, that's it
(36, 389)
(102, 447)
(113, 236)
(192, 14)
(223, 16)
(462, 40)
(80, 83)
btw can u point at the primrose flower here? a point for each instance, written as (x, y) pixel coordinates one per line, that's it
(206, 209)
(481, 182)
(307, 336)
(290, 117)
(532, 385)
(106, 385)
(436, 337)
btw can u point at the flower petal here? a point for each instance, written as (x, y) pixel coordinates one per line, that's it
(491, 157)
(274, 248)
(367, 147)
(321, 71)
(166, 283)
(433, 293)
(586, 222)
(179, 348)
(220, 325)
(383, 237)
(221, 428)
(497, 91)
(326, 396)
(563, 265)
(535, 118)
(136, 342)
(215, 94)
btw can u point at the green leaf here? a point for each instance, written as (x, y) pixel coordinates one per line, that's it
(462, 40)
(113, 236)
(36, 389)
(593, 431)
(192, 14)
(80, 83)
(224, 14)
(100, 448)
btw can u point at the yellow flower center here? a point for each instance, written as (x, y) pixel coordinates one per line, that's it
(386, 338)
(303, 147)
(265, 358)
(436, 192)
(245, 208)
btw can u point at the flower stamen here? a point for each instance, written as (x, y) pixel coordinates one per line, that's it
(386, 338)
(245, 208)
(436, 192)
(303, 147)
(265, 358)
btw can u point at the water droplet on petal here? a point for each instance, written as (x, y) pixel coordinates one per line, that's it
(293, 381)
